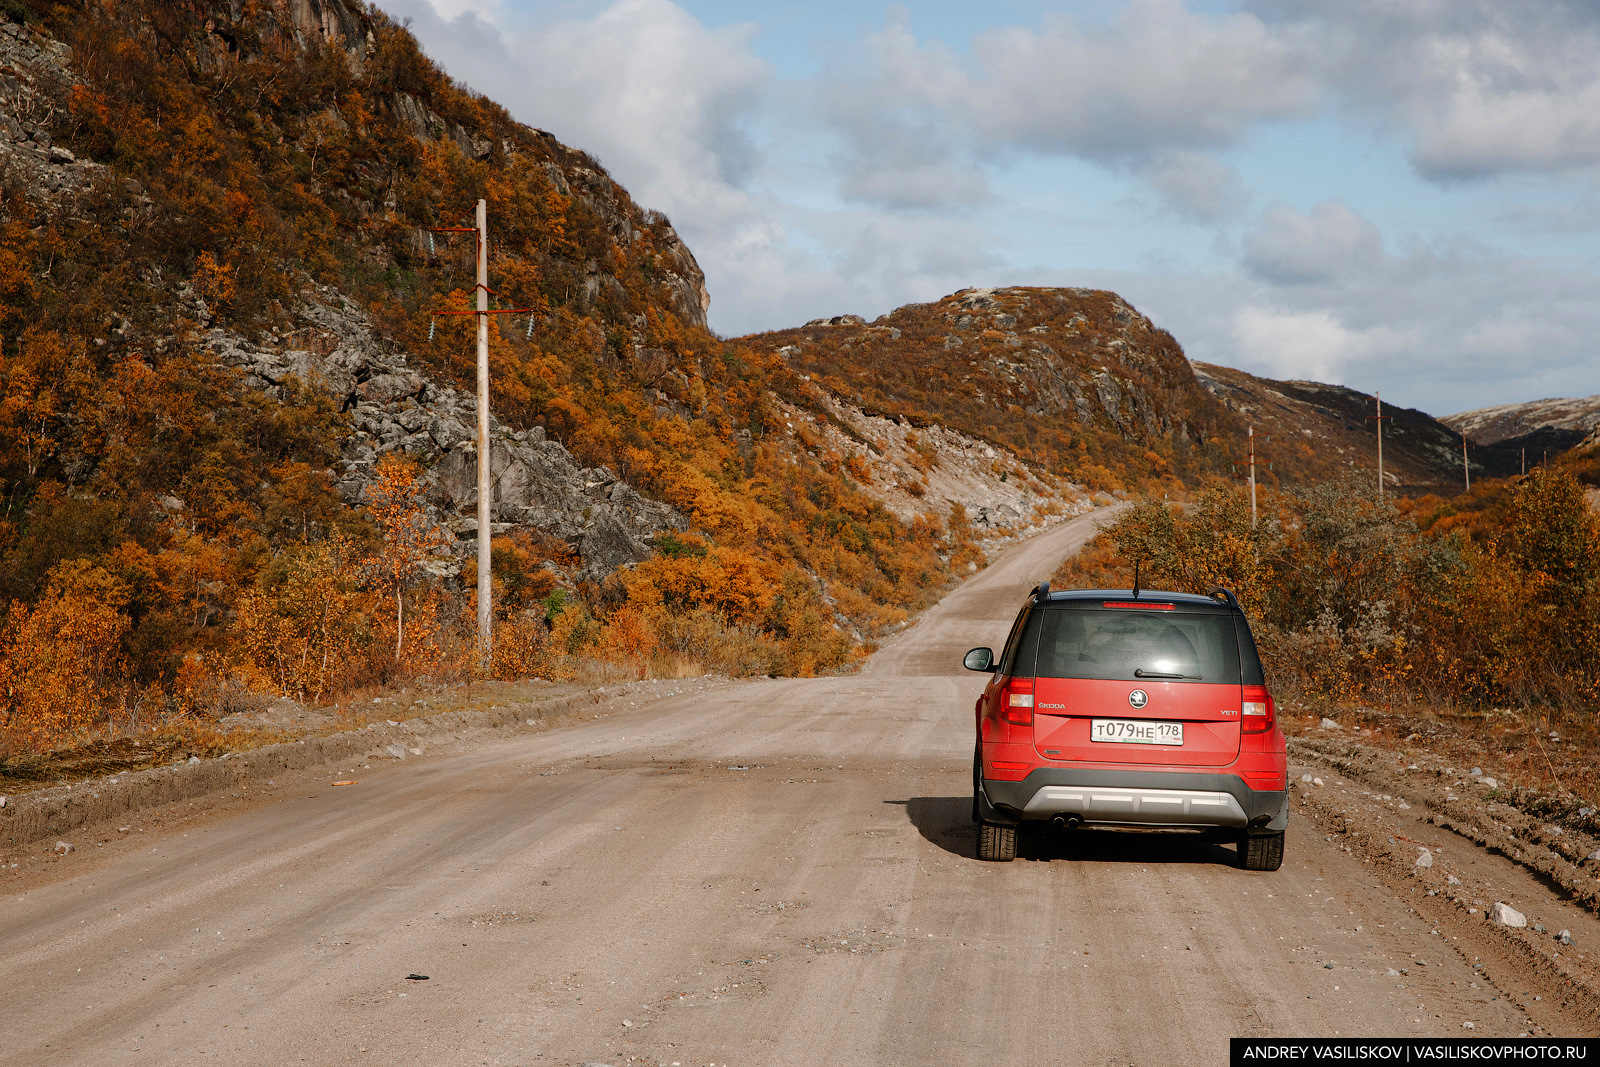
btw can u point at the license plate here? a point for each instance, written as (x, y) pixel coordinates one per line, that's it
(1136, 732)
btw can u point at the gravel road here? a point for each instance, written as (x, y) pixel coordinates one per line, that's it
(774, 872)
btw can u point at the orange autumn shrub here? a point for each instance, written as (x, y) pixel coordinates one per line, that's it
(61, 659)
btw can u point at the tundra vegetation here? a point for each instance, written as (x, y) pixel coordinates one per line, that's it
(171, 540)
(1485, 608)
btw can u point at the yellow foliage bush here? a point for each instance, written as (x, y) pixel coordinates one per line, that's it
(60, 661)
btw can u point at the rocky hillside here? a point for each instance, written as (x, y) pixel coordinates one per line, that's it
(1509, 435)
(1493, 425)
(222, 307)
(1312, 428)
(1076, 380)
(274, 321)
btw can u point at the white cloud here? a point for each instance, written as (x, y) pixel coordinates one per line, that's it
(1482, 86)
(1195, 186)
(1307, 344)
(1157, 77)
(1331, 242)
(451, 9)
(658, 97)
(1150, 93)
(1292, 345)
(863, 263)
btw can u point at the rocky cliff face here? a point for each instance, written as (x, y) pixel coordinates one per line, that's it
(535, 482)
(35, 72)
(320, 334)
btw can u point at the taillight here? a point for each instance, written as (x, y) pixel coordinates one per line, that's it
(1016, 702)
(1260, 713)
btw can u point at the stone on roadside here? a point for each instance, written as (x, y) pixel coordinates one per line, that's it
(1506, 915)
(1491, 783)
(1306, 778)
(1452, 879)
(1565, 937)
(1424, 859)
(397, 751)
(194, 759)
(1316, 781)
(416, 751)
(1391, 973)
(63, 847)
(1329, 724)
(1469, 1026)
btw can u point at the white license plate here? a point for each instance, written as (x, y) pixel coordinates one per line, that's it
(1136, 732)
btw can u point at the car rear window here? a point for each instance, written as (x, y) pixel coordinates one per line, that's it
(1126, 644)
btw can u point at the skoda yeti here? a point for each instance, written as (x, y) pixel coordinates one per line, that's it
(1129, 710)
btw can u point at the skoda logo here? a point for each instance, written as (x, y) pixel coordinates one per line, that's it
(1138, 698)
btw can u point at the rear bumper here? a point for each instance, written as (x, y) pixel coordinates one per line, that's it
(1178, 799)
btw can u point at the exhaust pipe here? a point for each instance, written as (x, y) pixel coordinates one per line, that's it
(1067, 822)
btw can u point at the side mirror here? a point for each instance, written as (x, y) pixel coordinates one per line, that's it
(979, 659)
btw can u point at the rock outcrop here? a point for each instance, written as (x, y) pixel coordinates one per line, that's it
(34, 76)
(1068, 378)
(536, 482)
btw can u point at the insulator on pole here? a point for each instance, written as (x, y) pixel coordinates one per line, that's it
(529, 337)
(430, 328)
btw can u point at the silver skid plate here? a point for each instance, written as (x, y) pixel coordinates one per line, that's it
(1138, 807)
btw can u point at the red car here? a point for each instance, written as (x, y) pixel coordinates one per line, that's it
(1129, 709)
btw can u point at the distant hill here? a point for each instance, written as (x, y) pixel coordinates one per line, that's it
(1511, 436)
(1074, 379)
(1503, 422)
(1317, 427)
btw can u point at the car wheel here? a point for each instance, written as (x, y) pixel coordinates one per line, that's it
(1261, 852)
(997, 843)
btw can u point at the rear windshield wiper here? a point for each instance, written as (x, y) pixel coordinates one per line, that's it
(1140, 672)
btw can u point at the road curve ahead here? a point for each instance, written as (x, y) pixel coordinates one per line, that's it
(778, 872)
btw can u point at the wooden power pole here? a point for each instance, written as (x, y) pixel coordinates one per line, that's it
(485, 523)
(1252, 477)
(480, 232)
(1465, 469)
(1378, 418)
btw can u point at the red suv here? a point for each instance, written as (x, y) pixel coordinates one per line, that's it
(1119, 709)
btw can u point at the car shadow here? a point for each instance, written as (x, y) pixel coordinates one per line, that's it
(947, 823)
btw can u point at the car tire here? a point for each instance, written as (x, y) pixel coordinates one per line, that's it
(1261, 852)
(997, 844)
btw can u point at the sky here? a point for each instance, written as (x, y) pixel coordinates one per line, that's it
(1393, 195)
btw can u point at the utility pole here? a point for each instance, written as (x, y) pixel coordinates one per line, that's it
(1378, 418)
(485, 551)
(480, 232)
(1465, 469)
(1252, 436)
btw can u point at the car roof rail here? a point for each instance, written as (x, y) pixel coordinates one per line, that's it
(1227, 596)
(1042, 592)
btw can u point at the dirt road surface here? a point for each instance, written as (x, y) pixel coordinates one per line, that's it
(776, 872)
